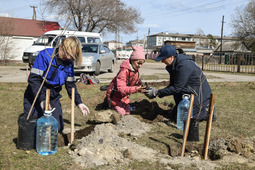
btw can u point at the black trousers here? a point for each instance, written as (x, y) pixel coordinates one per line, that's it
(196, 109)
(38, 112)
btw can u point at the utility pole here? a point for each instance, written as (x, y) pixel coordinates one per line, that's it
(34, 12)
(137, 39)
(117, 33)
(143, 41)
(148, 43)
(221, 37)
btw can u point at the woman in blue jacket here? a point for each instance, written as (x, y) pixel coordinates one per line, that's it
(185, 78)
(61, 72)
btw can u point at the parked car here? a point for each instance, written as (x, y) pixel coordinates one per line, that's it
(96, 58)
(50, 40)
(123, 54)
(123, 57)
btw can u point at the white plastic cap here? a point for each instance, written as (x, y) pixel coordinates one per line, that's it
(185, 96)
(48, 112)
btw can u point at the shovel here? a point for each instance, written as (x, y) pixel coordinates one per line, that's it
(72, 116)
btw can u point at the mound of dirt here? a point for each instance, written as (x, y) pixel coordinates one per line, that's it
(109, 142)
(104, 145)
(107, 145)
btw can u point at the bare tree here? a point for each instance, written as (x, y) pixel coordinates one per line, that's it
(97, 15)
(199, 31)
(243, 24)
(42, 10)
(200, 34)
(6, 47)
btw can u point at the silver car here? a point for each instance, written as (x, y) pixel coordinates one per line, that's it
(96, 58)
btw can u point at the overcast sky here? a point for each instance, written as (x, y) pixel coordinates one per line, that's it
(173, 16)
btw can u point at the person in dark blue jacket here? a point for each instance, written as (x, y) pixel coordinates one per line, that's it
(185, 78)
(61, 72)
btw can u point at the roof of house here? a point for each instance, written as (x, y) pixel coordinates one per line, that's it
(136, 41)
(167, 34)
(112, 41)
(231, 46)
(26, 27)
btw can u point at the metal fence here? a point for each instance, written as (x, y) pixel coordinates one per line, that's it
(227, 62)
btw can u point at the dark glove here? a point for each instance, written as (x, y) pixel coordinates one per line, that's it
(151, 93)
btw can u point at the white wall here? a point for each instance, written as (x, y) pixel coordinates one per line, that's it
(19, 44)
(113, 45)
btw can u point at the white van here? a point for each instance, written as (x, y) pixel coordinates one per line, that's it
(50, 39)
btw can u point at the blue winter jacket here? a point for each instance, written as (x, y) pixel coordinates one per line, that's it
(60, 73)
(187, 78)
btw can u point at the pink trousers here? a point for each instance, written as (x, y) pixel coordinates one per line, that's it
(122, 108)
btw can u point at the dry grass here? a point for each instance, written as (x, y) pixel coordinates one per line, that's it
(234, 102)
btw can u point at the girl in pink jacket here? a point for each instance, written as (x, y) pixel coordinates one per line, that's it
(126, 82)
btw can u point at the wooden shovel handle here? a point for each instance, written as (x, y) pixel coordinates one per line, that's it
(187, 124)
(47, 107)
(72, 115)
(208, 126)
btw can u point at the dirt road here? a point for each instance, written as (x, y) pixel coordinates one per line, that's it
(156, 71)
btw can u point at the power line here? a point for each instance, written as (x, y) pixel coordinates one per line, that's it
(181, 11)
(173, 11)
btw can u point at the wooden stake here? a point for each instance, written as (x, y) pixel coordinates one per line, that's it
(72, 116)
(47, 104)
(187, 124)
(208, 126)
(27, 72)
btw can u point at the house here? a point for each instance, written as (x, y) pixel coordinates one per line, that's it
(235, 52)
(192, 44)
(136, 42)
(114, 45)
(17, 34)
(188, 46)
(232, 47)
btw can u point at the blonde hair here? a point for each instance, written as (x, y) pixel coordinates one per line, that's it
(72, 45)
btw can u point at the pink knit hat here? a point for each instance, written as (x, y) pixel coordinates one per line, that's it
(137, 53)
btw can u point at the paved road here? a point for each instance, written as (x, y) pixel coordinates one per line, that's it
(19, 74)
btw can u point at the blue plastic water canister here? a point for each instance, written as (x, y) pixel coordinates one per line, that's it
(182, 111)
(47, 134)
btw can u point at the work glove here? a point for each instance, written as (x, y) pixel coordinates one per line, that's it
(84, 109)
(43, 105)
(151, 93)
